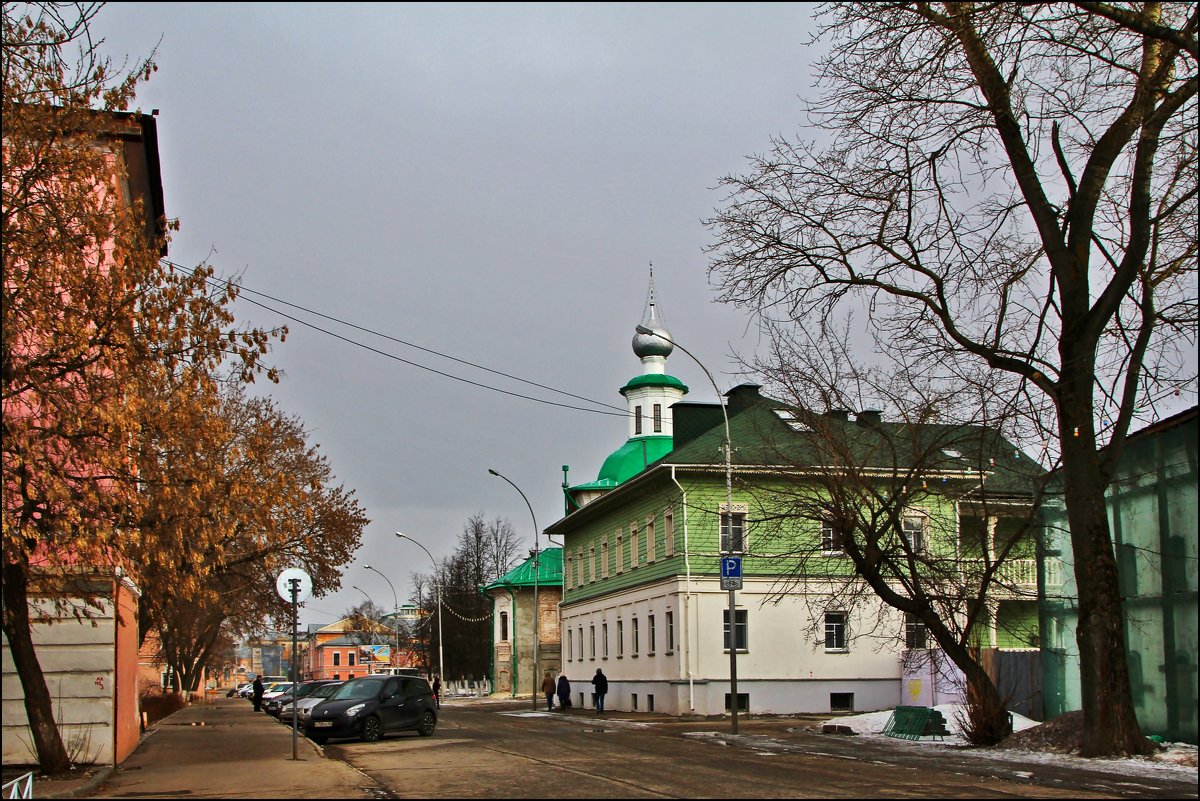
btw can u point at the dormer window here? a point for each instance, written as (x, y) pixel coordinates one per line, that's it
(637, 420)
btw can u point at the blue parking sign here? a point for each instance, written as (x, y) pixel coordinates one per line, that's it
(731, 567)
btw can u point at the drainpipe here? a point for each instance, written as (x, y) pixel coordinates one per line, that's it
(687, 598)
(513, 595)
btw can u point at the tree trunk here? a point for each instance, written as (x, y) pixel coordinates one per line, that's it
(51, 753)
(1109, 721)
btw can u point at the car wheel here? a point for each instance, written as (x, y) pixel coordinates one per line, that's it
(428, 721)
(371, 730)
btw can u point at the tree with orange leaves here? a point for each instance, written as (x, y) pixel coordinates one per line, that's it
(102, 339)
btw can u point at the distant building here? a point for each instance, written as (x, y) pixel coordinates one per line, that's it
(346, 649)
(512, 624)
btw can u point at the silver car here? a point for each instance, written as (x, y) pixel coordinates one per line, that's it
(305, 705)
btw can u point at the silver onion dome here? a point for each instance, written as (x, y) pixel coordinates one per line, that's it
(656, 344)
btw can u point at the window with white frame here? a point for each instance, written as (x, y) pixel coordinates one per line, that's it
(569, 573)
(604, 558)
(592, 637)
(580, 630)
(337, 658)
(835, 631)
(633, 545)
(570, 646)
(670, 631)
(650, 634)
(831, 537)
(504, 627)
(620, 540)
(350, 659)
(637, 420)
(733, 528)
(620, 638)
(592, 558)
(669, 532)
(650, 539)
(658, 418)
(604, 639)
(633, 637)
(912, 527)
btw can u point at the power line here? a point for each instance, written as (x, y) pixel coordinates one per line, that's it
(245, 290)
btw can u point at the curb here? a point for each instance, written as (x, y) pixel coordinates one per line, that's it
(91, 785)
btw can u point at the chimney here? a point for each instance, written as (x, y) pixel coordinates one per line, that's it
(870, 417)
(741, 397)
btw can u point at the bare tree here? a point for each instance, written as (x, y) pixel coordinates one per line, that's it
(1011, 187)
(486, 550)
(925, 511)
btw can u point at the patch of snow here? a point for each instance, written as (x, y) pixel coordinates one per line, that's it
(1176, 760)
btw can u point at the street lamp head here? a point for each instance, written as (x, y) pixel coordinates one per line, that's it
(366, 567)
(493, 472)
(401, 536)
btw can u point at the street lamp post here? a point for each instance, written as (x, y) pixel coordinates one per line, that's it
(733, 694)
(395, 610)
(437, 586)
(536, 570)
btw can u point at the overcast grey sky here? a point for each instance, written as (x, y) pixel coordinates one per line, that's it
(490, 181)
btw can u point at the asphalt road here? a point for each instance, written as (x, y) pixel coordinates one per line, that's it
(506, 751)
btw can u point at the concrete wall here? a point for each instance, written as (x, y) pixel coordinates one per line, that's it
(82, 672)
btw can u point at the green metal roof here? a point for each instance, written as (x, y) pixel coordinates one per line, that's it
(761, 435)
(654, 380)
(549, 572)
(632, 458)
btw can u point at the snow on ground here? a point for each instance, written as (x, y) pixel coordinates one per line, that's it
(1176, 759)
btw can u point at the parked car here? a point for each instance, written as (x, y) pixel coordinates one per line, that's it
(304, 705)
(370, 706)
(237, 689)
(276, 703)
(275, 690)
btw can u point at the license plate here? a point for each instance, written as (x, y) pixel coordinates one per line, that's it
(323, 724)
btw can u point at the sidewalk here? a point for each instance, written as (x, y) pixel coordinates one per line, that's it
(220, 750)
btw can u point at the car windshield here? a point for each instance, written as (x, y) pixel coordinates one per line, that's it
(305, 689)
(282, 687)
(357, 688)
(324, 690)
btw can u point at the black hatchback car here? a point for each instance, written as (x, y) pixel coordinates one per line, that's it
(370, 706)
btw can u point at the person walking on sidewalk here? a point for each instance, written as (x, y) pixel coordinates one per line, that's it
(258, 693)
(600, 687)
(548, 687)
(564, 693)
(437, 691)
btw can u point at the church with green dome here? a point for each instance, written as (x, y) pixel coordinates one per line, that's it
(649, 397)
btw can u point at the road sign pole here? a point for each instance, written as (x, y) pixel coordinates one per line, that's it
(294, 585)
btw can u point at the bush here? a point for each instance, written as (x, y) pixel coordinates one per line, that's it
(157, 706)
(986, 720)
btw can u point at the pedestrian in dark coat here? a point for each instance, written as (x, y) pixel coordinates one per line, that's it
(600, 687)
(258, 693)
(437, 691)
(548, 691)
(564, 692)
